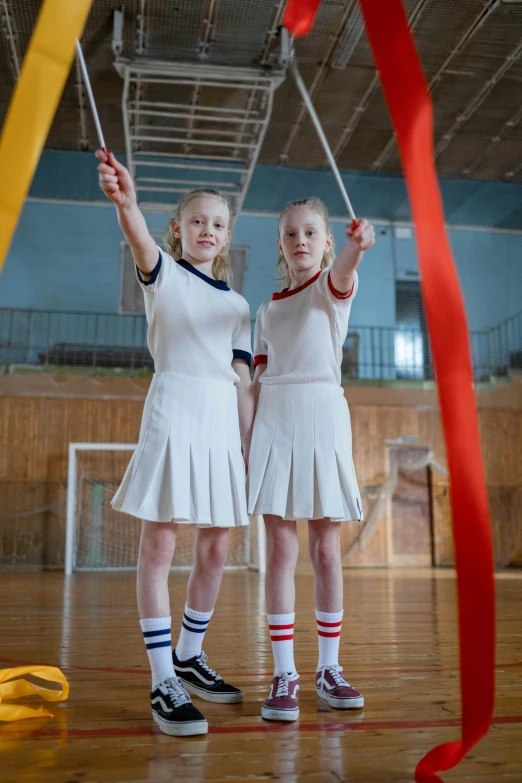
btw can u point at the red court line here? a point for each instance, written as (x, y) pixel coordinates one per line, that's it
(259, 728)
(229, 673)
(365, 672)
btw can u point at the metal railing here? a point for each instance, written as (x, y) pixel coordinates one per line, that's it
(49, 338)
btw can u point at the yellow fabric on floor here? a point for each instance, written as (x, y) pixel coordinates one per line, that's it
(14, 686)
(33, 106)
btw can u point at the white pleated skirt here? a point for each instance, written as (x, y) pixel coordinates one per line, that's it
(301, 464)
(188, 466)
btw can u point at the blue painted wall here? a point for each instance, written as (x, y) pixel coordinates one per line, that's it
(73, 176)
(67, 257)
(63, 257)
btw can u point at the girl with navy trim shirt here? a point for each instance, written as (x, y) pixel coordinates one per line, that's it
(301, 464)
(189, 465)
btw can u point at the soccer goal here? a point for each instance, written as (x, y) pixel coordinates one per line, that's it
(97, 538)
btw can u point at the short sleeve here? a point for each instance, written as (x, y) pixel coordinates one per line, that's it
(260, 346)
(337, 297)
(242, 340)
(164, 267)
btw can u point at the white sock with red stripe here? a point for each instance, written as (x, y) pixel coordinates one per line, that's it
(282, 636)
(329, 626)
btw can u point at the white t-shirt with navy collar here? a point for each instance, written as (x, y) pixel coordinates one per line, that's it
(197, 325)
(300, 332)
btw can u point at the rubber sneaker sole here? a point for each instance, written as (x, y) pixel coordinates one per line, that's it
(269, 713)
(217, 698)
(341, 704)
(181, 729)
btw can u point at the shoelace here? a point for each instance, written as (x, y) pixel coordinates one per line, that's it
(282, 687)
(202, 659)
(176, 691)
(336, 674)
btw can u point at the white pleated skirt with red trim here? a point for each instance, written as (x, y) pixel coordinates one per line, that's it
(188, 466)
(301, 464)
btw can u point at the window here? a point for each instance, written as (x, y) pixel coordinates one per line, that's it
(412, 354)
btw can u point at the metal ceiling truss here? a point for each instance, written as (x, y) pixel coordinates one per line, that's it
(504, 130)
(6, 18)
(273, 34)
(205, 124)
(476, 25)
(206, 35)
(203, 53)
(513, 171)
(140, 48)
(478, 99)
(363, 104)
(322, 69)
(176, 139)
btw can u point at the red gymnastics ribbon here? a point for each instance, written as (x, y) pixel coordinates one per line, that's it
(411, 110)
(300, 16)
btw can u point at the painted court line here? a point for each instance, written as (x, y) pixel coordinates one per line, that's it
(259, 728)
(358, 672)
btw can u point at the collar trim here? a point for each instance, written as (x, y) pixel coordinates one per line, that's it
(290, 292)
(210, 280)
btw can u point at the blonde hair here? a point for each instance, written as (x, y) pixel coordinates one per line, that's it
(329, 255)
(221, 267)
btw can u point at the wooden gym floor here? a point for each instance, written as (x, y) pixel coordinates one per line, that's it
(398, 647)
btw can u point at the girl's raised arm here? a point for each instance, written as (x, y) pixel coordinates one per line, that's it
(116, 183)
(360, 238)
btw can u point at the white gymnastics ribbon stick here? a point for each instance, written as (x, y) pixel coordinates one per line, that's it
(315, 119)
(87, 82)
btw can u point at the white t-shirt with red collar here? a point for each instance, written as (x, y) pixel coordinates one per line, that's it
(300, 332)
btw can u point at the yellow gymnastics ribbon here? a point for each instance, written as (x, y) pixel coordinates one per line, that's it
(13, 688)
(33, 106)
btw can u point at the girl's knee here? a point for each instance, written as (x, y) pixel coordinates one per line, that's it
(325, 550)
(282, 547)
(157, 543)
(212, 548)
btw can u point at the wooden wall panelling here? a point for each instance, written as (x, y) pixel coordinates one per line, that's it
(35, 432)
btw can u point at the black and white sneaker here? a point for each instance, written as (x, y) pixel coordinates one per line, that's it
(200, 679)
(174, 712)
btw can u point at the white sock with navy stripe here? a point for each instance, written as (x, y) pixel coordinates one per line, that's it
(158, 641)
(329, 626)
(281, 628)
(192, 633)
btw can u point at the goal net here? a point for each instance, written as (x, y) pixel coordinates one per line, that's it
(99, 538)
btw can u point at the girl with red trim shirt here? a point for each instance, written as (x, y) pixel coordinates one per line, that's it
(301, 464)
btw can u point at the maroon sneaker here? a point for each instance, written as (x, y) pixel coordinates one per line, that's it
(333, 688)
(282, 702)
